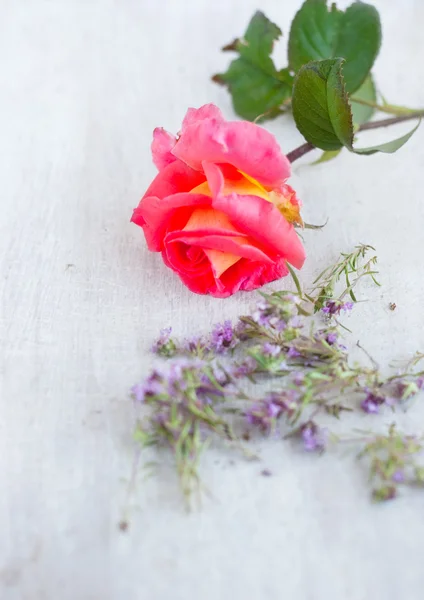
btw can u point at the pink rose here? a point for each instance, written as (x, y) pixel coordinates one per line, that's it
(219, 209)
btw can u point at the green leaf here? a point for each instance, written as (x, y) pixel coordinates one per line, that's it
(388, 147)
(327, 156)
(257, 88)
(362, 113)
(322, 111)
(320, 33)
(320, 105)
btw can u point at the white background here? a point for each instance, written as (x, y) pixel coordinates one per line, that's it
(82, 85)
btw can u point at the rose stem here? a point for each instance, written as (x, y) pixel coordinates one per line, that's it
(305, 148)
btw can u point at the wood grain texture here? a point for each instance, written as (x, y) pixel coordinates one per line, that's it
(82, 85)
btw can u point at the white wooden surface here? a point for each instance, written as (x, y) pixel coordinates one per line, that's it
(82, 84)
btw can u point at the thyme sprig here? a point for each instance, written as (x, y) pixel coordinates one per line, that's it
(210, 388)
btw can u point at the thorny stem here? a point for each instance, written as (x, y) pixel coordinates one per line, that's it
(300, 151)
(305, 148)
(398, 111)
(392, 121)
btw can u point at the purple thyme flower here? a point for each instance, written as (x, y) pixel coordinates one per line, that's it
(177, 376)
(314, 438)
(404, 389)
(280, 325)
(298, 378)
(332, 307)
(372, 402)
(281, 366)
(276, 315)
(152, 386)
(164, 345)
(165, 334)
(295, 323)
(332, 338)
(223, 337)
(137, 391)
(255, 416)
(274, 410)
(271, 349)
(163, 339)
(263, 313)
(266, 412)
(247, 367)
(218, 374)
(293, 353)
(398, 476)
(240, 330)
(195, 345)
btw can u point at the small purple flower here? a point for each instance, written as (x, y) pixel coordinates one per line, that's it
(332, 307)
(274, 410)
(398, 476)
(265, 413)
(282, 366)
(370, 406)
(152, 386)
(293, 353)
(164, 345)
(314, 438)
(295, 323)
(163, 339)
(240, 330)
(254, 416)
(262, 305)
(177, 376)
(223, 337)
(404, 389)
(263, 314)
(298, 378)
(280, 325)
(137, 391)
(247, 367)
(271, 349)
(195, 345)
(331, 338)
(218, 374)
(371, 403)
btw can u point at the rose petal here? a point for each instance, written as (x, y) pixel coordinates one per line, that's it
(208, 218)
(197, 283)
(263, 222)
(226, 179)
(243, 276)
(224, 242)
(244, 145)
(162, 144)
(174, 178)
(207, 111)
(248, 276)
(257, 217)
(184, 261)
(221, 261)
(155, 214)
